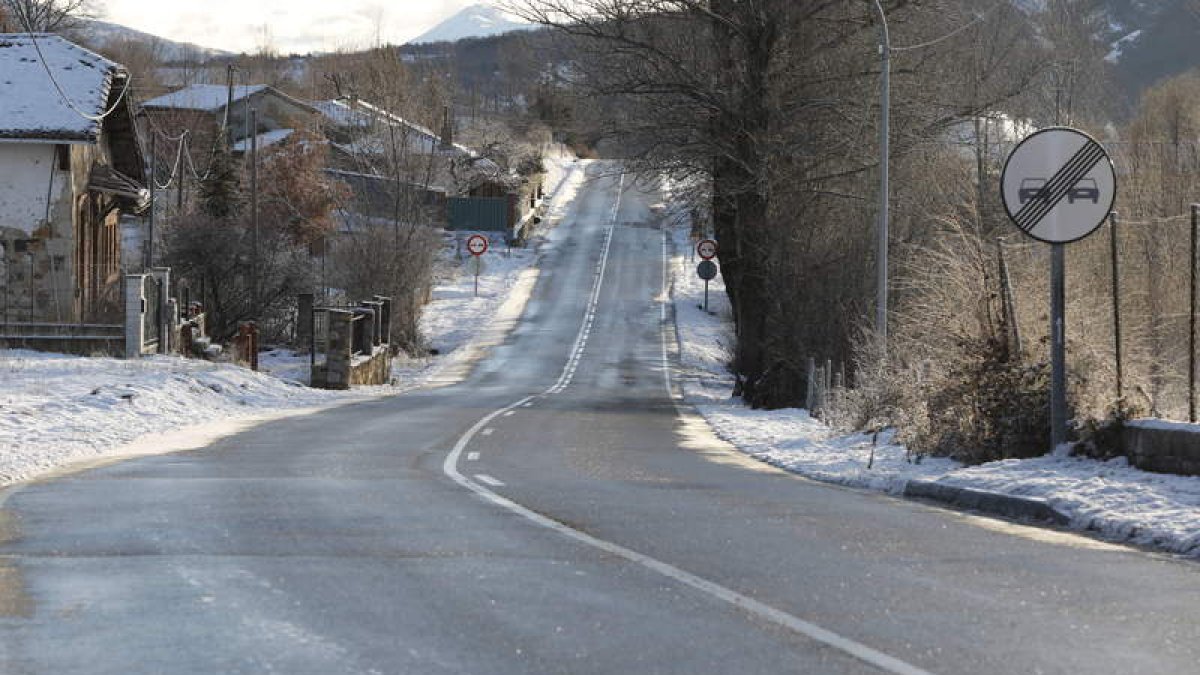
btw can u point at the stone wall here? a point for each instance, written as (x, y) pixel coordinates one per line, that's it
(342, 368)
(372, 370)
(79, 339)
(1165, 447)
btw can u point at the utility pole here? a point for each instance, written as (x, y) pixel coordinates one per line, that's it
(1192, 317)
(149, 257)
(881, 245)
(254, 212)
(228, 98)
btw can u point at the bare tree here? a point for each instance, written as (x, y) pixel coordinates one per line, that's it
(45, 16)
(773, 105)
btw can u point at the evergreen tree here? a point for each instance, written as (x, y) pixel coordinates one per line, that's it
(221, 195)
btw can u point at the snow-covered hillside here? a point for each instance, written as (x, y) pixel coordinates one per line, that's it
(101, 34)
(475, 21)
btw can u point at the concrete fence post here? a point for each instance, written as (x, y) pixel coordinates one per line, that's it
(171, 332)
(163, 276)
(338, 349)
(135, 308)
(304, 319)
(810, 399)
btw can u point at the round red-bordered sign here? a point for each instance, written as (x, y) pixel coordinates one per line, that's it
(1058, 185)
(477, 245)
(707, 249)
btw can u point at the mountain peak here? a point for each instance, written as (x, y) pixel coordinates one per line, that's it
(478, 20)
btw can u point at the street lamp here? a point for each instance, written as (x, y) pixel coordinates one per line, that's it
(881, 244)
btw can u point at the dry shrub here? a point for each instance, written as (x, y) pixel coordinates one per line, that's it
(392, 259)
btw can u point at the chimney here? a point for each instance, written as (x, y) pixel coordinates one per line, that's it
(447, 130)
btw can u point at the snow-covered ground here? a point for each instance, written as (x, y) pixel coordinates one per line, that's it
(57, 411)
(1111, 498)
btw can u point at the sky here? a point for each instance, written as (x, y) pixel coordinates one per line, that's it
(290, 25)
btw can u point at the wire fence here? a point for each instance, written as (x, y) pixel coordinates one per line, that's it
(1148, 307)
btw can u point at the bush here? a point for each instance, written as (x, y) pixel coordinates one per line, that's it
(989, 407)
(392, 259)
(215, 258)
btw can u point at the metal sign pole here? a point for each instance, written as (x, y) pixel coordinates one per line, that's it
(706, 295)
(1116, 304)
(1058, 348)
(1058, 186)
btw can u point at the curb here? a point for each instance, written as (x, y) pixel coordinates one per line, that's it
(994, 503)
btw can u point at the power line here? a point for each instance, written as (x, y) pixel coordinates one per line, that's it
(66, 99)
(956, 31)
(178, 163)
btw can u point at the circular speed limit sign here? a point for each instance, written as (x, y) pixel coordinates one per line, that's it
(1058, 185)
(707, 249)
(477, 245)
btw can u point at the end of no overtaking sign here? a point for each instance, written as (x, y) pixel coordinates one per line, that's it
(1058, 185)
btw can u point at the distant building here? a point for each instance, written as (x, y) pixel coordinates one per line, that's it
(71, 167)
(368, 139)
(201, 111)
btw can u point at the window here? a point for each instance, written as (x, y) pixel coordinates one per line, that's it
(63, 157)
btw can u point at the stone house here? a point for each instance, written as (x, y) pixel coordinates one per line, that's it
(71, 166)
(367, 139)
(201, 111)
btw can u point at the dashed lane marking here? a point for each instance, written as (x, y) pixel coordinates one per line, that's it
(857, 650)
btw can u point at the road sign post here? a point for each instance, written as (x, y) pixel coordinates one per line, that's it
(706, 270)
(1116, 305)
(477, 245)
(1058, 186)
(1058, 345)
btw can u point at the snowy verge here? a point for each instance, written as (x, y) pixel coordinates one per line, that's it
(61, 413)
(1108, 497)
(58, 410)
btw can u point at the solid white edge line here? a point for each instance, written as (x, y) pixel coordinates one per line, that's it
(814, 632)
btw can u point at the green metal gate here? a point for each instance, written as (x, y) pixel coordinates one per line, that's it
(479, 214)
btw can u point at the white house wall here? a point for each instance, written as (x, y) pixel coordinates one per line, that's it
(36, 255)
(25, 171)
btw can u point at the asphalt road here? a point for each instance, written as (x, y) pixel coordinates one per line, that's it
(555, 512)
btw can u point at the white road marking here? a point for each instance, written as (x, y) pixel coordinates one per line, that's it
(510, 413)
(472, 456)
(489, 431)
(484, 478)
(814, 632)
(589, 315)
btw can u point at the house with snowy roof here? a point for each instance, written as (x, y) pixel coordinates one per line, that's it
(368, 139)
(71, 167)
(205, 111)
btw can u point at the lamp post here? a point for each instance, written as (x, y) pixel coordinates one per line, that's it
(881, 244)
